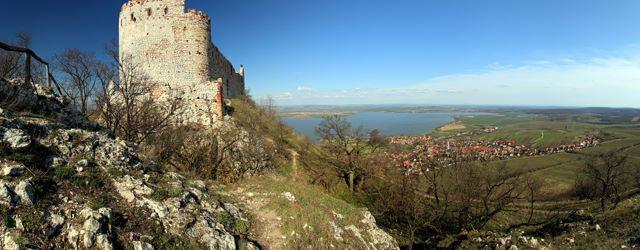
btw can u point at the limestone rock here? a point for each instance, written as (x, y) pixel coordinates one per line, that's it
(55, 221)
(13, 169)
(90, 229)
(94, 230)
(6, 196)
(81, 165)
(139, 245)
(17, 138)
(214, 238)
(10, 243)
(337, 231)
(504, 241)
(129, 187)
(73, 236)
(106, 212)
(24, 190)
(157, 207)
(55, 162)
(289, 196)
(379, 238)
(200, 185)
(232, 209)
(103, 242)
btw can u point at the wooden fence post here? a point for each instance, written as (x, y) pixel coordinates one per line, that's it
(27, 70)
(46, 73)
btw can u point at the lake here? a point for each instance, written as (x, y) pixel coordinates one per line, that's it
(389, 123)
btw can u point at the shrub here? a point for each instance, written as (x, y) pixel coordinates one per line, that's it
(9, 222)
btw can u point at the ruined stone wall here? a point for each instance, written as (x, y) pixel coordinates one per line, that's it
(173, 48)
(233, 82)
(169, 45)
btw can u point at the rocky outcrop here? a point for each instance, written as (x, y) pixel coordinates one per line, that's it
(16, 138)
(379, 238)
(25, 193)
(94, 231)
(92, 167)
(12, 169)
(189, 212)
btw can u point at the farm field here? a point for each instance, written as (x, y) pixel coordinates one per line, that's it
(558, 171)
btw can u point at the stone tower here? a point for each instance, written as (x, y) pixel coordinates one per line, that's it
(173, 47)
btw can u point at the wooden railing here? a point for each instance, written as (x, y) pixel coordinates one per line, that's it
(28, 79)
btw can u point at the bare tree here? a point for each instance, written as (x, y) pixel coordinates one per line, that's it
(480, 193)
(403, 208)
(78, 67)
(348, 148)
(606, 177)
(12, 63)
(125, 102)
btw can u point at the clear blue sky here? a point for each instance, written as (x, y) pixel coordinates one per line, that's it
(542, 52)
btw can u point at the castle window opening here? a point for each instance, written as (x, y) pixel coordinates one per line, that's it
(133, 18)
(166, 10)
(148, 12)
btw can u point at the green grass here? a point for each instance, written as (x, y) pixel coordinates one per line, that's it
(526, 129)
(309, 216)
(557, 170)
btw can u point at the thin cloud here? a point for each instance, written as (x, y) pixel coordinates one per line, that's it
(602, 81)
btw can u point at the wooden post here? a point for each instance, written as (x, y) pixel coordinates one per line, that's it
(220, 100)
(46, 73)
(27, 70)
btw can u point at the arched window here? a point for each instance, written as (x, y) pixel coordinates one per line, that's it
(166, 10)
(149, 12)
(133, 18)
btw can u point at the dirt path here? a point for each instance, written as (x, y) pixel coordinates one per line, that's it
(294, 162)
(267, 222)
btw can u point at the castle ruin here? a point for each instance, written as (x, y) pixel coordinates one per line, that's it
(173, 48)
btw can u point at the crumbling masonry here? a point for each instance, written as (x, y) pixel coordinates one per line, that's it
(173, 48)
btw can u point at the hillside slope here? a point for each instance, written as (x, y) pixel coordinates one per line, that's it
(67, 183)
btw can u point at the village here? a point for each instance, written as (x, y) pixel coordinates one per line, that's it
(415, 153)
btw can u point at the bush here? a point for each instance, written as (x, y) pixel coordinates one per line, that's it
(9, 222)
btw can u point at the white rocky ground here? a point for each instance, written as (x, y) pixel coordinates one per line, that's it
(68, 141)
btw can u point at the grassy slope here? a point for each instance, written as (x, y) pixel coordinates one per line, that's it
(282, 223)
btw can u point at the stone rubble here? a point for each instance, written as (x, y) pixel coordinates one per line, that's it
(12, 169)
(25, 192)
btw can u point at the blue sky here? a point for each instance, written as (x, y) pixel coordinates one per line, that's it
(544, 52)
